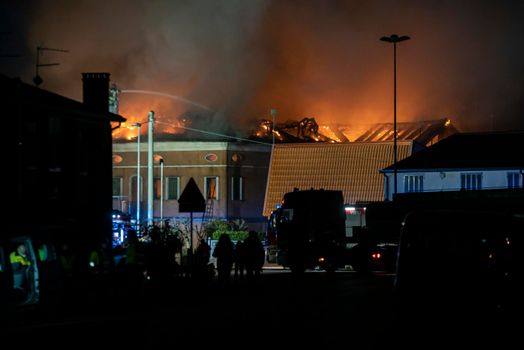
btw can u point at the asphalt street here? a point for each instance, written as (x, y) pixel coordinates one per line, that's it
(278, 310)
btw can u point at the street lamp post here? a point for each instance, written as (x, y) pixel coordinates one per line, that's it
(138, 125)
(394, 39)
(161, 192)
(150, 151)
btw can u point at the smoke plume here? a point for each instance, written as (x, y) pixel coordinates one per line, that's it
(309, 58)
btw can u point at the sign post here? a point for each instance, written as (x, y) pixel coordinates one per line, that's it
(191, 200)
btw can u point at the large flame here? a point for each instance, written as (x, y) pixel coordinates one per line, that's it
(170, 119)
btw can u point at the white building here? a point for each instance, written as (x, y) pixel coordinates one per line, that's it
(467, 161)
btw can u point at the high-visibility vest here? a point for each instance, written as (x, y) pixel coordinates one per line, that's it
(15, 259)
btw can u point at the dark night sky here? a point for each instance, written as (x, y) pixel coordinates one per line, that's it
(305, 58)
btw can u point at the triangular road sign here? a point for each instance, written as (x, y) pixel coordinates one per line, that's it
(191, 199)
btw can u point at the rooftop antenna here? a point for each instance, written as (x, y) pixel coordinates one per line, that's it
(40, 51)
(273, 126)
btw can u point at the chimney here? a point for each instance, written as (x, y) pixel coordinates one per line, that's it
(96, 91)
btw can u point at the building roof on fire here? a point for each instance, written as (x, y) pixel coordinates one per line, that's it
(350, 167)
(425, 132)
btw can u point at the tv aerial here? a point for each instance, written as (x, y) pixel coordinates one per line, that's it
(40, 51)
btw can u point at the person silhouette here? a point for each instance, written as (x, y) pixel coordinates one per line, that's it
(224, 251)
(239, 260)
(254, 255)
(21, 266)
(202, 255)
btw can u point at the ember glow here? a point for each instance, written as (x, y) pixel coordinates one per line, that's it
(424, 132)
(128, 131)
(135, 110)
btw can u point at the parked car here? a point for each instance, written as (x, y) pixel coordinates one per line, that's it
(383, 256)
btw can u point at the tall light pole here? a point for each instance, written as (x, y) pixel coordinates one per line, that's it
(138, 125)
(150, 150)
(394, 39)
(161, 192)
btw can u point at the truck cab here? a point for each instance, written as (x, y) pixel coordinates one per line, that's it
(308, 230)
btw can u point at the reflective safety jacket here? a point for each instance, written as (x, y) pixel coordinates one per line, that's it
(18, 262)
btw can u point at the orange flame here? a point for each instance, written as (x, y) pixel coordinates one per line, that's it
(163, 124)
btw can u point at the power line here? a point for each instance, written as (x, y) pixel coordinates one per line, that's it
(215, 133)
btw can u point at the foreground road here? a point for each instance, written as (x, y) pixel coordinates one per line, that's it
(279, 310)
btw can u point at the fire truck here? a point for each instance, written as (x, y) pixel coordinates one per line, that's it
(309, 224)
(308, 230)
(121, 223)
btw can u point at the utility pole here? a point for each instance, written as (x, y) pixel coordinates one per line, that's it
(137, 125)
(161, 192)
(150, 150)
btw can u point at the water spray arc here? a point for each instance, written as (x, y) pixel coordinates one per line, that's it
(173, 97)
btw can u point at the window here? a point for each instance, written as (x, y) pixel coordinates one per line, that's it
(54, 126)
(157, 189)
(117, 186)
(513, 180)
(211, 187)
(413, 183)
(386, 187)
(173, 187)
(287, 215)
(237, 188)
(471, 181)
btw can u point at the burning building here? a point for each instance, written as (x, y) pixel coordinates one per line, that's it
(230, 171)
(349, 159)
(425, 132)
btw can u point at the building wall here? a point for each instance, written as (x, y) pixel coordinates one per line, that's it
(251, 163)
(197, 160)
(450, 180)
(61, 156)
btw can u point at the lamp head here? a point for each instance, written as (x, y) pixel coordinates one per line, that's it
(394, 38)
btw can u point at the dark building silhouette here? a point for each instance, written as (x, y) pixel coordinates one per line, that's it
(96, 91)
(57, 160)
